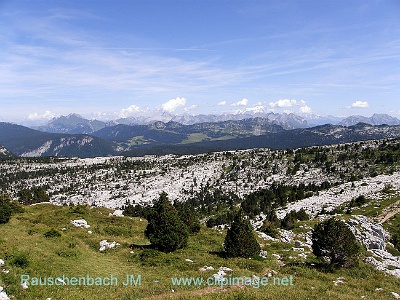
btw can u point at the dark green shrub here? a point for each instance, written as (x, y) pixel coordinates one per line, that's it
(270, 229)
(289, 221)
(5, 208)
(302, 215)
(79, 209)
(395, 240)
(165, 230)
(34, 195)
(152, 258)
(240, 240)
(66, 252)
(188, 216)
(20, 260)
(136, 210)
(334, 241)
(52, 233)
(359, 201)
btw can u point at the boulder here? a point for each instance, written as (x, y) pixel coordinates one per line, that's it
(104, 245)
(80, 223)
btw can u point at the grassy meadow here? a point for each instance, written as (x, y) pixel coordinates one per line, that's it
(75, 253)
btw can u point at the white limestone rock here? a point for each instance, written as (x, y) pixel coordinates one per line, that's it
(117, 213)
(104, 245)
(80, 223)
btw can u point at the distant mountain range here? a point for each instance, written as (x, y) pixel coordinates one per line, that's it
(175, 133)
(376, 119)
(73, 124)
(295, 138)
(164, 138)
(76, 124)
(24, 141)
(5, 153)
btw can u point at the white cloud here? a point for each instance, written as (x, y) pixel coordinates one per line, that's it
(190, 108)
(305, 109)
(359, 104)
(256, 109)
(47, 115)
(242, 102)
(222, 103)
(130, 111)
(173, 104)
(287, 103)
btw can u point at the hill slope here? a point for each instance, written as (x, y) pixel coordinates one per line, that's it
(73, 124)
(5, 153)
(24, 141)
(287, 139)
(375, 119)
(176, 133)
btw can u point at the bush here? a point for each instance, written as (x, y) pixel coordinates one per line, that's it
(302, 215)
(5, 208)
(34, 195)
(395, 240)
(290, 220)
(188, 216)
(20, 260)
(334, 241)
(359, 201)
(136, 210)
(152, 258)
(270, 229)
(240, 240)
(165, 230)
(79, 209)
(52, 233)
(17, 207)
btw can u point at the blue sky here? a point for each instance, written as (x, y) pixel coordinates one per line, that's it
(105, 59)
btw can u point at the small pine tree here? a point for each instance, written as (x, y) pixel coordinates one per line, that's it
(302, 215)
(240, 240)
(5, 208)
(189, 216)
(332, 239)
(269, 228)
(290, 220)
(165, 229)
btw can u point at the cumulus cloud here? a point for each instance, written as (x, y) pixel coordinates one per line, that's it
(47, 115)
(290, 103)
(130, 111)
(242, 102)
(256, 109)
(222, 103)
(359, 104)
(190, 108)
(173, 104)
(305, 109)
(287, 103)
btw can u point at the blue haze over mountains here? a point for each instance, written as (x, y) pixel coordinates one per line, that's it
(74, 123)
(76, 136)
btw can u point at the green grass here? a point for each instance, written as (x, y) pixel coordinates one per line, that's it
(195, 138)
(137, 140)
(375, 207)
(75, 253)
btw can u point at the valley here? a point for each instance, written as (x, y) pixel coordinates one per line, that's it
(358, 182)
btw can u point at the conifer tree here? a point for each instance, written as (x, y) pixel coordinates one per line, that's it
(240, 240)
(333, 240)
(5, 208)
(165, 230)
